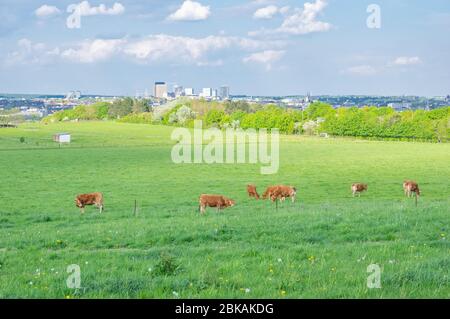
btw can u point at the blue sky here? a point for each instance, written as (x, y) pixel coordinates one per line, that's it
(259, 47)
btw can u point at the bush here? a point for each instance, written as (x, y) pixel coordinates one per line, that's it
(386, 123)
(97, 111)
(140, 118)
(166, 266)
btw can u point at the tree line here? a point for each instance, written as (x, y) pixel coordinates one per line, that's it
(317, 118)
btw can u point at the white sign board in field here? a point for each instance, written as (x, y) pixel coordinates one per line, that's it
(62, 138)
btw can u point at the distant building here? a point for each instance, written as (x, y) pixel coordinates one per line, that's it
(224, 92)
(73, 95)
(207, 92)
(160, 90)
(33, 112)
(400, 106)
(178, 90)
(308, 98)
(188, 91)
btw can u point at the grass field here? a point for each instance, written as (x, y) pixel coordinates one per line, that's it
(320, 246)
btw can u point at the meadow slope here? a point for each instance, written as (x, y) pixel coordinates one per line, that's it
(320, 246)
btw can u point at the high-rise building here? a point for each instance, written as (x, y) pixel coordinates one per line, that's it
(178, 90)
(160, 90)
(188, 91)
(224, 92)
(207, 92)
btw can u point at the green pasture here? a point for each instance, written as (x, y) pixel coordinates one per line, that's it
(318, 247)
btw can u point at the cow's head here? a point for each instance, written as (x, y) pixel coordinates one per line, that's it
(294, 191)
(78, 203)
(231, 202)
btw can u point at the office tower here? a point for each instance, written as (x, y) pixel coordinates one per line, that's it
(207, 92)
(178, 90)
(224, 92)
(160, 90)
(188, 91)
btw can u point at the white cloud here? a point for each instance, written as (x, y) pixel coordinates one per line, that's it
(361, 70)
(266, 12)
(284, 10)
(188, 49)
(190, 11)
(28, 53)
(85, 9)
(161, 48)
(404, 60)
(266, 58)
(302, 21)
(93, 51)
(164, 47)
(270, 11)
(46, 11)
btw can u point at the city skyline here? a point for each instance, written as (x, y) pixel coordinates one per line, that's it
(261, 47)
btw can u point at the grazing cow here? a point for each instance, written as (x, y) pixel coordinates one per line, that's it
(358, 188)
(410, 187)
(89, 199)
(282, 192)
(268, 193)
(218, 201)
(251, 190)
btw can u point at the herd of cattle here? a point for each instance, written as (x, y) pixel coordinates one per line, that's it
(274, 193)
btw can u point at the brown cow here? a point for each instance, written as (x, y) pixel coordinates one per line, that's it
(218, 201)
(410, 187)
(89, 199)
(268, 193)
(251, 190)
(282, 192)
(358, 188)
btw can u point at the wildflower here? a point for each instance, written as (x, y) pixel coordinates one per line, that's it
(175, 293)
(283, 292)
(247, 290)
(279, 260)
